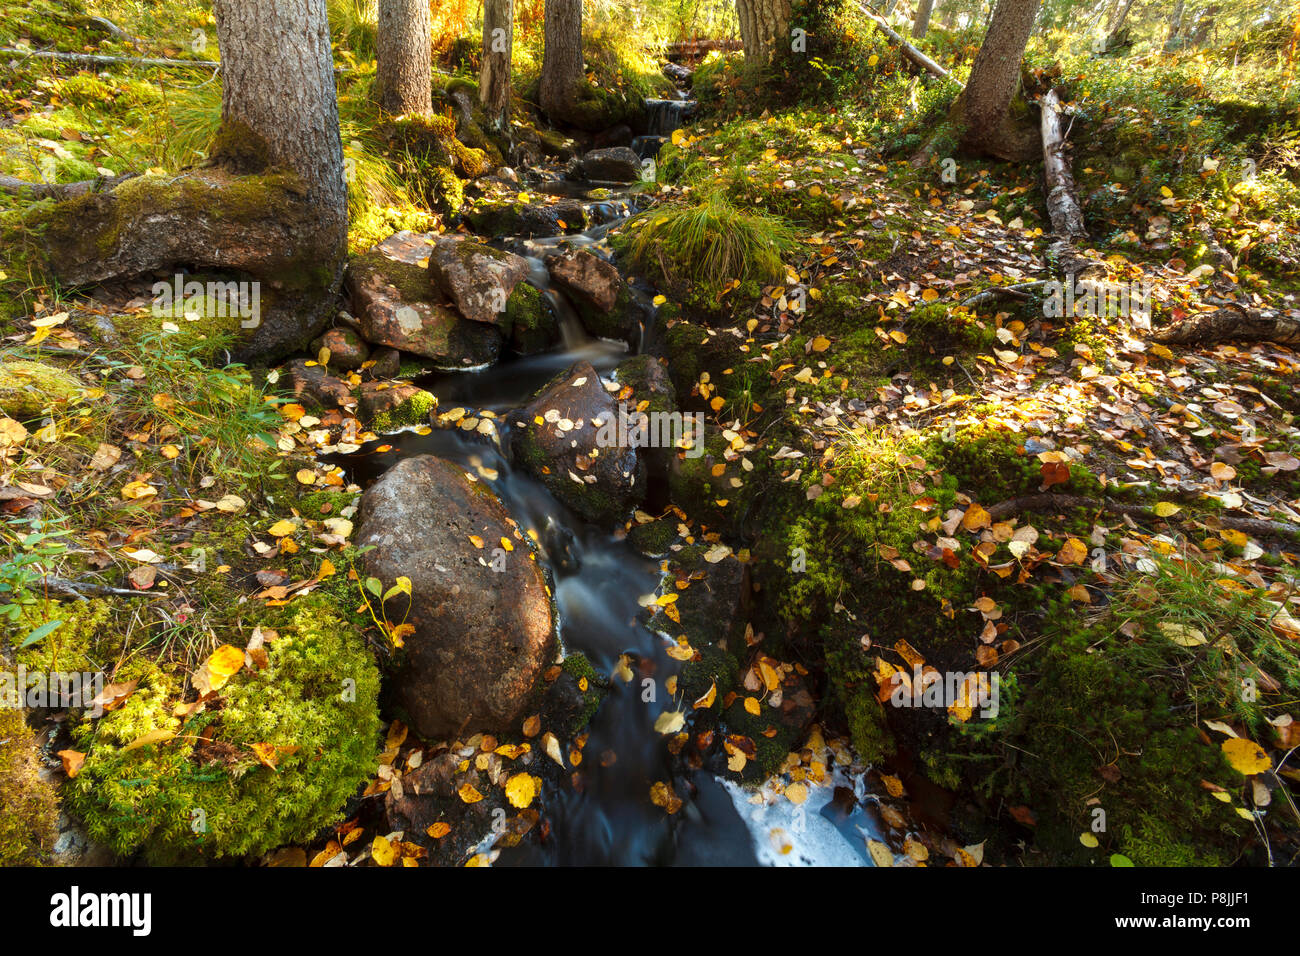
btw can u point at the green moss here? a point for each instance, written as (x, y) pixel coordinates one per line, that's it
(180, 801)
(414, 411)
(581, 670)
(653, 538)
(28, 807)
(530, 320)
(27, 389)
(714, 668)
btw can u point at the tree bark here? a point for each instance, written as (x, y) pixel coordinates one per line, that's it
(562, 72)
(498, 46)
(1062, 194)
(1233, 323)
(1175, 26)
(922, 22)
(764, 25)
(994, 76)
(1118, 23)
(270, 212)
(405, 72)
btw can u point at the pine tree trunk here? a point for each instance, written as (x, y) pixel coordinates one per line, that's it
(562, 61)
(922, 23)
(1175, 26)
(269, 212)
(994, 76)
(764, 25)
(405, 76)
(498, 44)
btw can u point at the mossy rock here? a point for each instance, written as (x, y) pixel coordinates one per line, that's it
(27, 389)
(200, 793)
(654, 538)
(28, 804)
(532, 323)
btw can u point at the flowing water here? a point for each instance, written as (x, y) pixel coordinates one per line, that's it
(608, 818)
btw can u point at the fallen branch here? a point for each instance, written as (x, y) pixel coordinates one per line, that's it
(21, 187)
(1019, 291)
(79, 589)
(1233, 323)
(909, 51)
(1050, 502)
(97, 59)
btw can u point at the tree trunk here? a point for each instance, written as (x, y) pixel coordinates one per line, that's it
(562, 60)
(764, 25)
(269, 213)
(405, 75)
(498, 45)
(986, 102)
(1175, 26)
(1120, 18)
(922, 22)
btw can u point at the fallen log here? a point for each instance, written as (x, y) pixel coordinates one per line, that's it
(1063, 210)
(909, 51)
(1233, 323)
(97, 59)
(21, 187)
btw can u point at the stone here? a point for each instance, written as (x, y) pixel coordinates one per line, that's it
(313, 386)
(482, 637)
(618, 164)
(564, 452)
(587, 279)
(397, 306)
(477, 278)
(347, 351)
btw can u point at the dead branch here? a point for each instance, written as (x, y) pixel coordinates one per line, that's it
(909, 51)
(21, 187)
(98, 59)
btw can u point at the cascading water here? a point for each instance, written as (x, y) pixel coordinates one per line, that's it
(606, 817)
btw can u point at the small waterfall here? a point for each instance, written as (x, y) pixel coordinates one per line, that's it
(666, 116)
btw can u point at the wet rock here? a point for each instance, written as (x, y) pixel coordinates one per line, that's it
(587, 278)
(565, 450)
(534, 326)
(397, 306)
(483, 623)
(477, 278)
(427, 797)
(647, 378)
(602, 298)
(532, 220)
(618, 164)
(347, 351)
(387, 364)
(314, 387)
(678, 73)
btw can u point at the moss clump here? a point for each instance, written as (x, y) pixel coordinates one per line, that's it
(28, 806)
(713, 667)
(202, 793)
(414, 411)
(29, 388)
(531, 321)
(590, 683)
(654, 538)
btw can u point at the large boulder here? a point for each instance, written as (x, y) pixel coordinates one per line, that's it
(563, 442)
(484, 627)
(618, 164)
(601, 297)
(477, 278)
(396, 305)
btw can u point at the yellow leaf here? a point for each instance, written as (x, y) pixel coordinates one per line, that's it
(468, 794)
(306, 476)
(1165, 509)
(521, 790)
(796, 793)
(1088, 840)
(752, 706)
(976, 518)
(282, 528)
(1246, 756)
(383, 852)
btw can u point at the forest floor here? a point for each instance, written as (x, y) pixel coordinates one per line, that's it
(920, 471)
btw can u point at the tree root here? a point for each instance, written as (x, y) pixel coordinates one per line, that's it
(21, 187)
